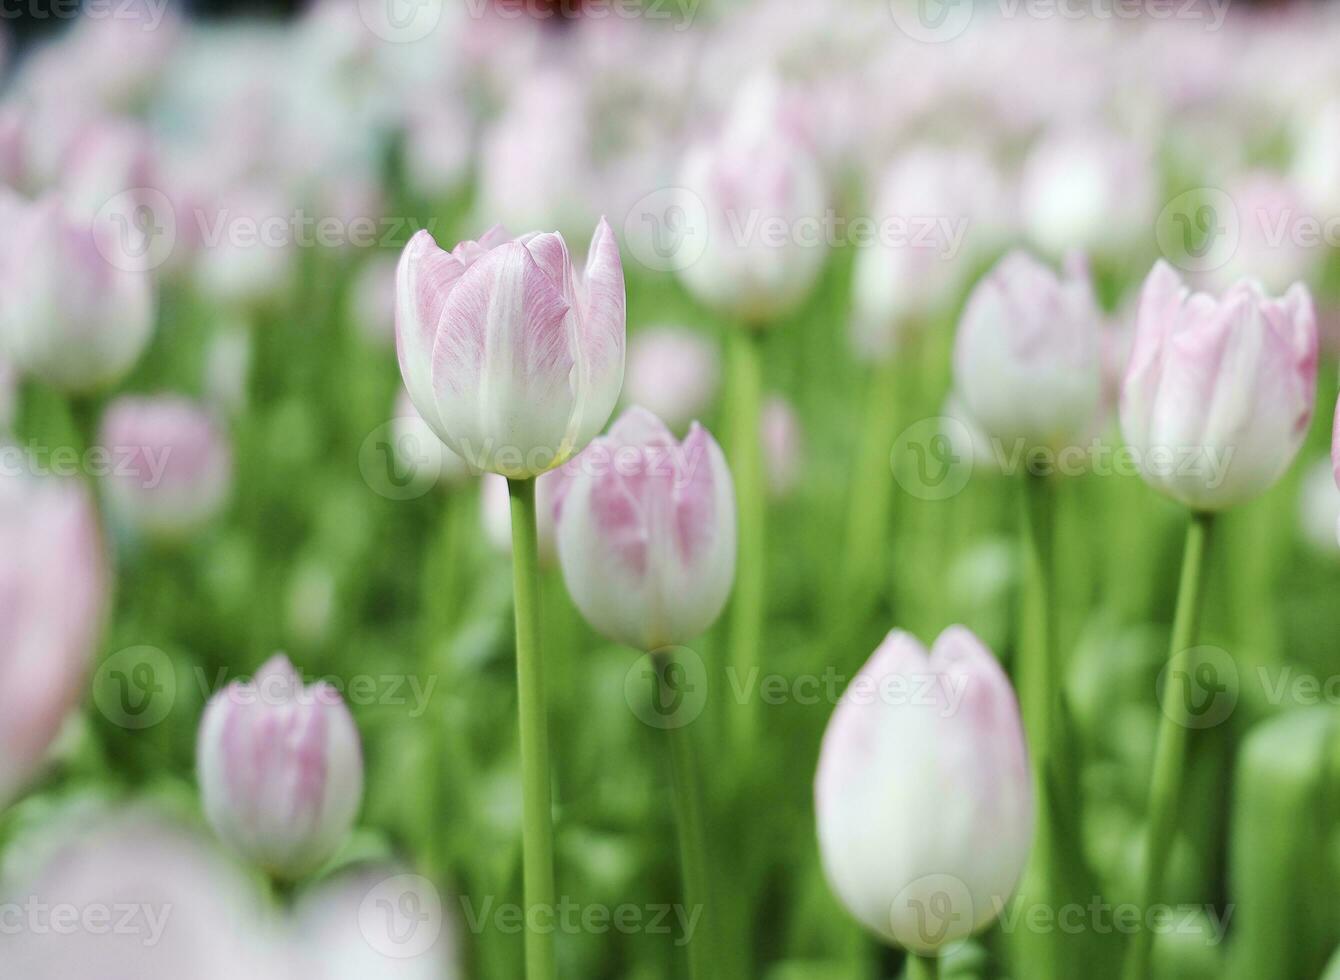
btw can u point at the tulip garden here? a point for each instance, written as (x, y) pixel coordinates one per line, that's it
(640, 489)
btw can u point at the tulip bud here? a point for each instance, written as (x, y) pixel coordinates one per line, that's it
(1269, 248)
(281, 769)
(1027, 356)
(70, 316)
(672, 372)
(53, 591)
(646, 532)
(1219, 392)
(779, 428)
(169, 465)
(923, 794)
(951, 208)
(510, 356)
(757, 189)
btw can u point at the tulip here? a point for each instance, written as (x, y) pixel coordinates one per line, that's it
(109, 157)
(246, 257)
(1270, 247)
(948, 209)
(421, 453)
(1088, 188)
(280, 769)
(672, 372)
(170, 465)
(53, 590)
(923, 794)
(760, 192)
(1027, 360)
(335, 939)
(513, 359)
(70, 316)
(1316, 165)
(171, 906)
(1219, 392)
(646, 533)
(228, 368)
(1319, 508)
(781, 445)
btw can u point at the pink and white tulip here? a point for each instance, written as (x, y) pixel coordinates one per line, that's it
(53, 594)
(171, 465)
(1027, 358)
(281, 769)
(1219, 393)
(70, 316)
(1271, 246)
(511, 356)
(923, 791)
(646, 532)
(674, 373)
(760, 193)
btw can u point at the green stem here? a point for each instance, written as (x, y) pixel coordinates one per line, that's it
(871, 492)
(537, 832)
(1039, 677)
(1174, 729)
(746, 627)
(922, 967)
(691, 826)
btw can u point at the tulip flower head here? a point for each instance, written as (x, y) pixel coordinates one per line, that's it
(1027, 358)
(646, 532)
(280, 769)
(511, 356)
(70, 316)
(923, 793)
(53, 593)
(171, 466)
(1219, 392)
(754, 186)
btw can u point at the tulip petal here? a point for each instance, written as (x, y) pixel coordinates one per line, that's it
(424, 279)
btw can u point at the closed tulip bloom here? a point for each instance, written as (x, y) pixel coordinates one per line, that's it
(511, 356)
(674, 373)
(646, 532)
(923, 794)
(1027, 358)
(756, 187)
(1268, 248)
(53, 593)
(70, 316)
(169, 464)
(1219, 392)
(280, 769)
